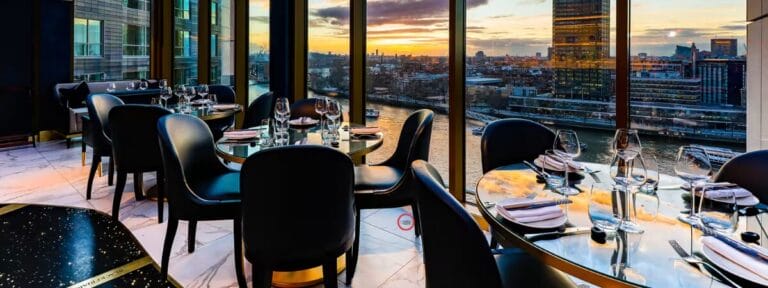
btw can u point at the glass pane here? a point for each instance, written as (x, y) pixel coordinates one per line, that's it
(407, 68)
(688, 76)
(223, 43)
(258, 49)
(328, 59)
(107, 39)
(185, 62)
(549, 61)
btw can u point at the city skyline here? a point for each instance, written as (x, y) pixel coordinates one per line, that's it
(506, 27)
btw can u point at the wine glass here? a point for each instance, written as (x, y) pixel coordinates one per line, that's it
(165, 94)
(190, 94)
(321, 107)
(112, 87)
(627, 174)
(212, 100)
(693, 166)
(333, 113)
(626, 143)
(143, 85)
(567, 147)
(282, 112)
(203, 91)
(163, 84)
(131, 86)
(651, 184)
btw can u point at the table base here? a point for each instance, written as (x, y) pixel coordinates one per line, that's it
(303, 278)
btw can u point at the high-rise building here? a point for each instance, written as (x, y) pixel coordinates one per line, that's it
(724, 48)
(722, 81)
(581, 47)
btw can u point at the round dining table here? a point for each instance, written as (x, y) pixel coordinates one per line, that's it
(623, 260)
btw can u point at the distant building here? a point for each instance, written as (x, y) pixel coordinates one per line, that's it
(581, 46)
(549, 53)
(480, 57)
(665, 90)
(724, 48)
(684, 52)
(722, 81)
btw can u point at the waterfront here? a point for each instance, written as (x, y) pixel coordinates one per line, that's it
(598, 141)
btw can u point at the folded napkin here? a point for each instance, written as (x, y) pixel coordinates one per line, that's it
(242, 134)
(715, 193)
(747, 262)
(225, 106)
(556, 163)
(365, 130)
(302, 121)
(532, 215)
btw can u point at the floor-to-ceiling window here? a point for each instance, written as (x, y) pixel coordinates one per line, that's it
(328, 55)
(222, 42)
(551, 61)
(111, 39)
(407, 69)
(258, 48)
(185, 42)
(688, 72)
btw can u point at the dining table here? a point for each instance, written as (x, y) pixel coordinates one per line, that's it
(620, 259)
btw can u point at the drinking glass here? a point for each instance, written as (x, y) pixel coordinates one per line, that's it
(131, 86)
(282, 112)
(112, 87)
(567, 147)
(694, 167)
(626, 143)
(163, 84)
(212, 100)
(626, 175)
(189, 95)
(719, 213)
(321, 107)
(651, 184)
(165, 94)
(601, 211)
(143, 85)
(333, 113)
(154, 101)
(265, 139)
(203, 91)
(556, 180)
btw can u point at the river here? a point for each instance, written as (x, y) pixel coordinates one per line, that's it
(598, 141)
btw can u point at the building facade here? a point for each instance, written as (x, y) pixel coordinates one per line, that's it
(724, 48)
(722, 81)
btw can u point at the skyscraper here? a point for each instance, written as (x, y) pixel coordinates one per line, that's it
(724, 48)
(581, 47)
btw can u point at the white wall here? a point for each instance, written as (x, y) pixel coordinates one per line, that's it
(757, 75)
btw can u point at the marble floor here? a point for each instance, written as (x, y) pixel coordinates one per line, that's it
(52, 174)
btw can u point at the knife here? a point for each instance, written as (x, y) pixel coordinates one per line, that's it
(538, 205)
(535, 169)
(557, 234)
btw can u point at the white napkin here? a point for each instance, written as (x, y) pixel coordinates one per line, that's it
(225, 106)
(726, 193)
(556, 163)
(302, 121)
(241, 133)
(758, 267)
(533, 215)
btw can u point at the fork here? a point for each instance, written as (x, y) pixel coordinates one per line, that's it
(699, 263)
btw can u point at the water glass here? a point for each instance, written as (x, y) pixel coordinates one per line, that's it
(282, 112)
(131, 86)
(211, 100)
(163, 84)
(721, 215)
(601, 211)
(143, 85)
(281, 138)
(112, 87)
(555, 180)
(694, 167)
(265, 139)
(651, 184)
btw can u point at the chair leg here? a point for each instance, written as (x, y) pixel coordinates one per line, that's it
(82, 153)
(191, 236)
(239, 267)
(95, 163)
(138, 185)
(353, 253)
(330, 276)
(170, 233)
(416, 219)
(111, 170)
(261, 277)
(494, 243)
(160, 196)
(121, 177)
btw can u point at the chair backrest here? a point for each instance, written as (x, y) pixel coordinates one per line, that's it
(747, 170)
(456, 253)
(289, 224)
(259, 109)
(510, 141)
(188, 152)
(306, 108)
(99, 106)
(413, 143)
(134, 136)
(224, 93)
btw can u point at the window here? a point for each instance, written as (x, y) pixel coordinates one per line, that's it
(87, 37)
(222, 43)
(182, 9)
(258, 49)
(551, 61)
(185, 43)
(328, 55)
(182, 44)
(111, 39)
(687, 79)
(407, 69)
(135, 40)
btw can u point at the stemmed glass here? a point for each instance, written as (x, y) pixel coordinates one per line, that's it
(333, 113)
(694, 167)
(627, 173)
(131, 86)
(321, 107)
(143, 85)
(626, 144)
(189, 95)
(163, 84)
(165, 94)
(282, 113)
(112, 87)
(567, 147)
(203, 91)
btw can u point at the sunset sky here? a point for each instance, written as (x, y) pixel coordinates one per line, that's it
(506, 27)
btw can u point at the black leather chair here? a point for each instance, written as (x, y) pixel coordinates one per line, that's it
(198, 185)
(135, 150)
(99, 106)
(748, 171)
(456, 253)
(387, 184)
(291, 225)
(261, 108)
(306, 108)
(510, 141)
(224, 93)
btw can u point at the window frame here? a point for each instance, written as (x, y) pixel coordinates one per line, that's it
(87, 44)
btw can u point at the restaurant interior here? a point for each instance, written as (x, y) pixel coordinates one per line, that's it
(384, 143)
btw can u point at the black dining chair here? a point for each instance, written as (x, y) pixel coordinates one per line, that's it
(224, 93)
(511, 141)
(198, 185)
(456, 253)
(747, 170)
(259, 109)
(388, 184)
(99, 106)
(135, 150)
(291, 225)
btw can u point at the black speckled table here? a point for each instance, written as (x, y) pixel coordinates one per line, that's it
(49, 246)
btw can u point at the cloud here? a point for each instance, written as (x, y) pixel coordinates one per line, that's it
(260, 19)
(405, 12)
